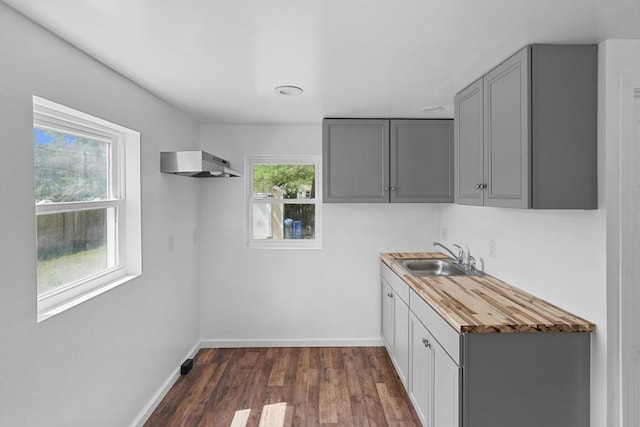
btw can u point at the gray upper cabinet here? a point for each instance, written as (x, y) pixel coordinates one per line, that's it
(534, 116)
(355, 159)
(381, 161)
(421, 161)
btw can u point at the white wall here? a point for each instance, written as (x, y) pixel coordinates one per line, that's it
(97, 364)
(331, 295)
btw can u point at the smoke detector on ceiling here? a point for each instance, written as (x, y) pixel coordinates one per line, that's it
(288, 90)
(433, 109)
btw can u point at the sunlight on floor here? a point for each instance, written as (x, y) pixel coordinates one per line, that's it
(273, 415)
(240, 418)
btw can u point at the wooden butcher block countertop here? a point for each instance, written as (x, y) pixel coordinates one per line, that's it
(484, 304)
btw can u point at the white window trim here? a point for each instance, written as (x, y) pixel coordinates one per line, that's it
(251, 160)
(126, 151)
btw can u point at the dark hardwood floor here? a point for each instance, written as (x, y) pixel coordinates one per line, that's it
(277, 387)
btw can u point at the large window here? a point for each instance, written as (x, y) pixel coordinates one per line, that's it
(284, 208)
(87, 196)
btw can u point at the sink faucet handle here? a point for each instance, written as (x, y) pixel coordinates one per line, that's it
(461, 256)
(471, 264)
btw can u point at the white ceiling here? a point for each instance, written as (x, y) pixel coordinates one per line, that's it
(219, 60)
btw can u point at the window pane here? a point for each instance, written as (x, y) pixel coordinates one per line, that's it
(283, 181)
(74, 245)
(283, 221)
(69, 168)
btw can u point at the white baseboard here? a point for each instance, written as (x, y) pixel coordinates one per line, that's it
(366, 342)
(146, 412)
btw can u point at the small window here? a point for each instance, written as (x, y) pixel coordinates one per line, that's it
(284, 208)
(87, 197)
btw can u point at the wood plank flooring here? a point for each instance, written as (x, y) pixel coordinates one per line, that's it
(278, 387)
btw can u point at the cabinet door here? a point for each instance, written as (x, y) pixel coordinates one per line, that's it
(355, 156)
(469, 145)
(387, 316)
(434, 386)
(446, 385)
(401, 335)
(421, 381)
(507, 134)
(421, 161)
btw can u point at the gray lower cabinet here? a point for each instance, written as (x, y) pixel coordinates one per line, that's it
(381, 161)
(483, 379)
(434, 379)
(395, 329)
(526, 131)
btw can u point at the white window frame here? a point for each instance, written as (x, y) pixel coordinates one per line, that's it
(124, 196)
(315, 161)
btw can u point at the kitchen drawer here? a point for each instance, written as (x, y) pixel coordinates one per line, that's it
(398, 285)
(446, 336)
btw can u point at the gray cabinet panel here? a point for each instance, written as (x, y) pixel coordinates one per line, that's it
(395, 320)
(421, 366)
(355, 160)
(446, 384)
(387, 328)
(469, 145)
(421, 161)
(434, 383)
(528, 380)
(401, 336)
(564, 156)
(506, 92)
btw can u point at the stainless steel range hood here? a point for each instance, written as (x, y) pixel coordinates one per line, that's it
(198, 164)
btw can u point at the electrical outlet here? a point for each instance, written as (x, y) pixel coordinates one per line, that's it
(170, 245)
(444, 233)
(492, 249)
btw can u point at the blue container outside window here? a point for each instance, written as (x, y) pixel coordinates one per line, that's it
(297, 229)
(288, 228)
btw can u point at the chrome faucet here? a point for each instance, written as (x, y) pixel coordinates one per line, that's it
(459, 258)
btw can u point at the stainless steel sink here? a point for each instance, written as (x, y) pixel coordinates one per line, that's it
(431, 267)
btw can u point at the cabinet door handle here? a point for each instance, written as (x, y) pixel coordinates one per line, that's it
(386, 188)
(390, 295)
(479, 186)
(426, 343)
(393, 188)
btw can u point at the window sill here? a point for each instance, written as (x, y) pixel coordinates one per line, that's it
(284, 244)
(66, 305)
